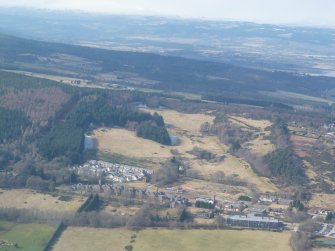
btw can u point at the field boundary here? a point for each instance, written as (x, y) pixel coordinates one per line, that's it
(62, 226)
(60, 229)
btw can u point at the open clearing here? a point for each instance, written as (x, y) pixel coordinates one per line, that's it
(125, 143)
(186, 121)
(24, 198)
(85, 239)
(29, 237)
(261, 145)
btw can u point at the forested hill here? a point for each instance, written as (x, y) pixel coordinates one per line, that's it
(52, 118)
(150, 70)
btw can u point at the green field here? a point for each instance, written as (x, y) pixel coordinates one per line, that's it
(28, 237)
(87, 239)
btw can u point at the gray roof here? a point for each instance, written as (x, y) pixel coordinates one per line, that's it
(253, 218)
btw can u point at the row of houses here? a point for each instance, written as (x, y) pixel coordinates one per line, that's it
(111, 171)
(269, 199)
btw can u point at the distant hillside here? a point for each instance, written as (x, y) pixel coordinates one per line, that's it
(152, 71)
(260, 46)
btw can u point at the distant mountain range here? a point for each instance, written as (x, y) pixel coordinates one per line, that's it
(293, 49)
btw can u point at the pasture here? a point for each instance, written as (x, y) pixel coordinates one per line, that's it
(25, 198)
(27, 237)
(85, 239)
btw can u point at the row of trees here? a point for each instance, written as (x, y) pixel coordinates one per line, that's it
(150, 130)
(92, 203)
(246, 101)
(283, 163)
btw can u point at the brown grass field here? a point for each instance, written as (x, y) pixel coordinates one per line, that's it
(185, 121)
(120, 210)
(201, 188)
(325, 201)
(302, 145)
(259, 146)
(24, 198)
(85, 239)
(236, 167)
(124, 142)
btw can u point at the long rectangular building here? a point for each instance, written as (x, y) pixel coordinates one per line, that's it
(251, 221)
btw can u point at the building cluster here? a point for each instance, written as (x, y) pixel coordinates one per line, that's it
(269, 199)
(111, 172)
(114, 189)
(174, 199)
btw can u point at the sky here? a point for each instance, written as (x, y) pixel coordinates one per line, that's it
(291, 12)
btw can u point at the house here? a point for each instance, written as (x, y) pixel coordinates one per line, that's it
(234, 206)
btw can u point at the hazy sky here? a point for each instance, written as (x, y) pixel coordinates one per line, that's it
(301, 12)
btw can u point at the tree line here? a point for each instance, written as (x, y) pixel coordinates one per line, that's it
(246, 101)
(283, 163)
